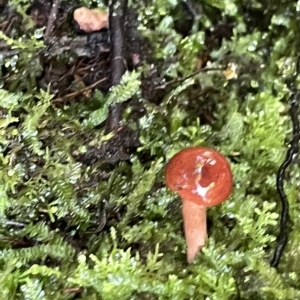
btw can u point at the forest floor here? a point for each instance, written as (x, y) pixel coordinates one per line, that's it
(90, 117)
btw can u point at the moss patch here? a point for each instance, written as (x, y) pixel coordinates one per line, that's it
(85, 214)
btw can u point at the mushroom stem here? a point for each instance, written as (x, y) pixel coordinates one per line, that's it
(194, 219)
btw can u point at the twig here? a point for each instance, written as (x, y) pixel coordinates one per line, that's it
(74, 290)
(178, 80)
(74, 94)
(291, 153)
(51, 19)
(118, 65)
(103, 220)
(117, 13)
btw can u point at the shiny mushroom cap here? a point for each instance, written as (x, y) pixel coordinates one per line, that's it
(201, 175)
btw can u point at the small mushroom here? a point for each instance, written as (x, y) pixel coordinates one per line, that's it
(202, 177)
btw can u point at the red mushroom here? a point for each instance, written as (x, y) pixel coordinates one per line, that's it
(202, 177)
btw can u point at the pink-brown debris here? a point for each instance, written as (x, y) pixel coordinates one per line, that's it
(90, 20)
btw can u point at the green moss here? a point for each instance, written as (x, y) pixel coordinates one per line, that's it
(52, 203)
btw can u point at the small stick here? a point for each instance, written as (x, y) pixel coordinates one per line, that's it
(117, 13)
(118, 66)
(178, 80)
(291, 153)
(74, 290)
(51, 20)
(74, 94)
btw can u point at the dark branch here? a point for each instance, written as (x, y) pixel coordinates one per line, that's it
(117, 12)
(291, 153)
(51, 20)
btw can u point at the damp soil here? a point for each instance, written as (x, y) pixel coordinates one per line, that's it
(75, 64)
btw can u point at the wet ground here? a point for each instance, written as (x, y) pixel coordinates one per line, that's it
(75, 66)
